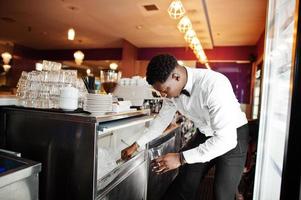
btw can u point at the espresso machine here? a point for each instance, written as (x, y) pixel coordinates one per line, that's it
(139, 92)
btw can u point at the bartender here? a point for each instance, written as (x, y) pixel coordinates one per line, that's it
(207, 98)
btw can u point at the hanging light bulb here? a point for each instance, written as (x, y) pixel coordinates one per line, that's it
(184, 24)
(189, 35)
(88, 71)
(6, 67)
(194, 42)
(200, 53)
(79, 57)
(197, 48)
(71, 34)
(6, 57)
(207, 65)
(202, 56)
(176, 9)
(113, 66)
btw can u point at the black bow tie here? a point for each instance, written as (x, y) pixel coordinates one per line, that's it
(185, 92)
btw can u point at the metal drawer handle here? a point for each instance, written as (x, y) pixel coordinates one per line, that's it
(114, 128)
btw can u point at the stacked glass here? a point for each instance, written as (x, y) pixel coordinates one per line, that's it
(41, 89)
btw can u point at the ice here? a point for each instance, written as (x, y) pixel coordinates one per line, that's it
(105, 163)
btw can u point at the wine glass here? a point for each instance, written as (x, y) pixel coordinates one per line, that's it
(109, 79)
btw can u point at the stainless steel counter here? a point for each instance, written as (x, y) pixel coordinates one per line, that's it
(18, 178)
(68, 147)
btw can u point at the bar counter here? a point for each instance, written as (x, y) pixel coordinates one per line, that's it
(68, 145)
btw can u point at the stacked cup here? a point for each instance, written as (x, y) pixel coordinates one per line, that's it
(69, 98)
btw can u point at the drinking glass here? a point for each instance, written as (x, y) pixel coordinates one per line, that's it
(109, 80)
(155, 153)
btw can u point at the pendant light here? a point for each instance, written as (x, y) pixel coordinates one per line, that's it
(6, 57)
(194, 42)
(207, 65)
(184, 24)
(6, 67)
(176, 9)
(79, 57)
(113, 66)
(71, 34)
(189, 35)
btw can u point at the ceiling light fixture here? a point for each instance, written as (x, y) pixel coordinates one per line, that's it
(184, 24)
(71, 34)
(88, 71)
(202, 56)
(6, 67)
(207, 65)
(189, 35)
(79, 57)
(176, 9)
(6, 57)
(194, 43)
(113, 66)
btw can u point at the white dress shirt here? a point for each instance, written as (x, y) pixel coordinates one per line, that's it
(213, 108)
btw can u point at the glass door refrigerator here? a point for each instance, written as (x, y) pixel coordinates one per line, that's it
(278, 155)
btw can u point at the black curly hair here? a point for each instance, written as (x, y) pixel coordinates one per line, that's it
(160, 67)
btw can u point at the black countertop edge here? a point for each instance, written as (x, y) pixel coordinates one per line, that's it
(83, 117)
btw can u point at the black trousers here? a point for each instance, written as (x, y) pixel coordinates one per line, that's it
(228, 171)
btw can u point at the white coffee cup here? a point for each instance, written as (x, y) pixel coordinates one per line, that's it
(69, 98)
(69, 92)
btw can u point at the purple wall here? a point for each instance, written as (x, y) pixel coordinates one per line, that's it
(239, 76)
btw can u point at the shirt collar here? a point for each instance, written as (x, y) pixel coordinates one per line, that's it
(189, 82)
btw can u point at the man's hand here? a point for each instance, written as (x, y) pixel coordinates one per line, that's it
(128, 152)
(166, 163)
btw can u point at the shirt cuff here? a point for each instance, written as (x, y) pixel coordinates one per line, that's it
(141, 143)
(192, 156)
(146, 138)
